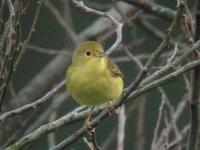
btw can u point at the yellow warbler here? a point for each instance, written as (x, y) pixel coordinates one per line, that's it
(92, 78)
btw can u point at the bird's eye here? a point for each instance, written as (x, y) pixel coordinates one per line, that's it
(88, 53)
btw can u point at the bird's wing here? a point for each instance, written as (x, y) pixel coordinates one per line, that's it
(115, 71)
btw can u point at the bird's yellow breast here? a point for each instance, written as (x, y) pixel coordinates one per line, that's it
(92, 83)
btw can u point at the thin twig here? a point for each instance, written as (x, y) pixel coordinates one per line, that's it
(94, 140)
(32, 30)
(46, 50)
(153, 30)
(177, 141)
(121, 128)
(173, 64)
(133, 58)
(169, 60)
(21, 49)
(114, 22)
(172, 123)
(56, 103)
(112, 134)
(52, 136)
(89, 145)
(140, 130)
(153, 8)
(61, 21)
(33, 105)
(157, 127)
(142, 57)
(7, 36)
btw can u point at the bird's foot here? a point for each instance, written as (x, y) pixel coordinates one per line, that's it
(88, 125)
(111, 109)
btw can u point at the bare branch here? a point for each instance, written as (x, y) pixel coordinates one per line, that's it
(140, 131)
(173, 64)
(32, 30)
(47, 51)
(7, 37)
(121, 128)
(177, 141)
(33, 105)
(158, 123)
(94, 140)
(153, 8)
(89, 145)
(61, 21)
(169, 60)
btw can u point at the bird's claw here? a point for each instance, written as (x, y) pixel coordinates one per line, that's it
(111, 109)
(88, 125)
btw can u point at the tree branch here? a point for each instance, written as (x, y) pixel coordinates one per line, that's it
(194, 140)
(33, 105)
(153, 8)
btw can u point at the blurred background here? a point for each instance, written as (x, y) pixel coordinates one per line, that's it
(59, 28)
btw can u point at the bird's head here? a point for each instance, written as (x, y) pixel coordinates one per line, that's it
(88, 50)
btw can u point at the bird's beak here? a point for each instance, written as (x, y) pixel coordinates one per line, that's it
(101, 54)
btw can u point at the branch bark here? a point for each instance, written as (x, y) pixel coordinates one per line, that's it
(194, 140)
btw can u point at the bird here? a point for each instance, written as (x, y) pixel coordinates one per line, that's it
(93, 78)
